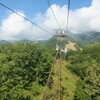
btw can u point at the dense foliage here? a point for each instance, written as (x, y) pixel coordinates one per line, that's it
(24, 68)
(86, 65)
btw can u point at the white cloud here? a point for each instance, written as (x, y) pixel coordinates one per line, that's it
(80, 20)
(86, 18)
(16, 28)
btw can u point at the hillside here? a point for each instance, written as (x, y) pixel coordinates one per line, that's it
(3, 42)
(52, 42)
(71, 46)
(80, 40)
(24, 70)
(87, 38)
(68, 83)
(86, 65)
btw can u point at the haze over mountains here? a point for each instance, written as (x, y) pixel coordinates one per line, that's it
(80, 39)
(86, 38)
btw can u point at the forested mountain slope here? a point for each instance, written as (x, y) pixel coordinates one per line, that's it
(24, 69)
(86, 65)
(87, 38)
(81, 40)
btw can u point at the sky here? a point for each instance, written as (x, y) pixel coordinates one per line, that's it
(84, 16)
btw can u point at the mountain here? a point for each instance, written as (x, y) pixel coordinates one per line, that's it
(80, 40)
(87, 38)
(15, 41)
(96, 40)
(25, 41)
(4, 42)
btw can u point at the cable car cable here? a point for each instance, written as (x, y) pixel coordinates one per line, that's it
(68, 14)
(54, 14)
(24, 17)
(44, 93)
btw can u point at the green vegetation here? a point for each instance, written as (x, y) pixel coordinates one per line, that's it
(25, 66)
(86, 65)
(80, 75)
(68, 83)
(24, 69)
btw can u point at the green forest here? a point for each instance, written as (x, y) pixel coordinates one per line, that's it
(86, 65)
(24, 69)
